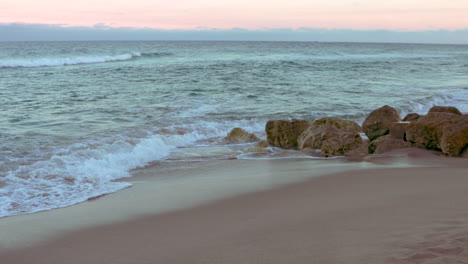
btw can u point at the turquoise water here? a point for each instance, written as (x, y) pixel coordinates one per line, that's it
(77, 115)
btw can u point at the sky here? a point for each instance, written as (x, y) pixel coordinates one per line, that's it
(431, 20)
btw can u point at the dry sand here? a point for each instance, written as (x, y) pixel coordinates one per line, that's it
(375, 215)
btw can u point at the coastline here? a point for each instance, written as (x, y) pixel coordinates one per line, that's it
(398, 207)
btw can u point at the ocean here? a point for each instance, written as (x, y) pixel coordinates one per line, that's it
(76, 116)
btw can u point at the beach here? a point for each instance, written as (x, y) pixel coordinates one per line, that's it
(233, 152)
(408, 206)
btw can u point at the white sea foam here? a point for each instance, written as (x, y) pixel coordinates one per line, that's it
(87, 170)
(48, 62)
(457, 98)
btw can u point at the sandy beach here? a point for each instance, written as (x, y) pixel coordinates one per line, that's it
(378, 210)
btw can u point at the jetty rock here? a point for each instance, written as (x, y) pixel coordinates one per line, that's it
(339, 143)
(411, 117)
(445, 109)
(319, 131)
(284, 133)
(387, 143)
(378, 122)
(239, 135)
(341, 124)
(398, 130)
(443, 131)
(454, 141)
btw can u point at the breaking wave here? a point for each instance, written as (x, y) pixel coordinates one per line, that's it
(89, 169)
(49, 62)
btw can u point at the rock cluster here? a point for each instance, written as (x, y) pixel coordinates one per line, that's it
(444, 131)
(443, 128)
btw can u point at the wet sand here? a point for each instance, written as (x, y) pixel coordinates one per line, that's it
(367, 212)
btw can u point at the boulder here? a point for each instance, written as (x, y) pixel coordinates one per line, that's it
(339, 143)
(259, 147)
(343, 125)
(398, 130)
(454, 140)
(411, 117)
(239, 135)
(427, 131)
(284, 133)
(318, 131)
(387, 143)
(445, 109)
(378, 122)
(314, 136)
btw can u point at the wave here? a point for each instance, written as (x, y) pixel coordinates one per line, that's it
(88, 169)
(48, 62)
(456, 97)
(360, 57)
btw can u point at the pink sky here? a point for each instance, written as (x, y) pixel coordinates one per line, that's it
(249, 14)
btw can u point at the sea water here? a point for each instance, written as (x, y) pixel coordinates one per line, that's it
(75, 116)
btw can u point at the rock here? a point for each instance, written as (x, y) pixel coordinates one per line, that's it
(316, 133)
(339, 143)
(343, 125)
(454, 140)
(378, 122)
(257, 149)
(398, 130)
(284, 133)
(314, 136)
(262, 144)
(411, 117)
(332, 141)
(239, 135)
(260, 147)
(427, 131)
(387, 143)
(445, 109)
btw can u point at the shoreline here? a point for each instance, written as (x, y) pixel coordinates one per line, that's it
(172, 186)
(431, 179)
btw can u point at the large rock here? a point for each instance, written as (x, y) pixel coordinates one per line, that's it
(411, 117)
(443, 131)
(339, 143)
(454, 140)
(314, 136)
(378, 122)
(343, 125)
(317, 132)
(284, 133)
(387, 143)
(445, 109)
(332, 141)
(239, 135)
(398, 130)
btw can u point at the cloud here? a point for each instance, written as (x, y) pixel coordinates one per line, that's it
(102, 31)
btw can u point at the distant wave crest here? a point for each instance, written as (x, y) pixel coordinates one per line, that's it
(48, 62)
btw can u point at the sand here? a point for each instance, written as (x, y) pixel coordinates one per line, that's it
(368, 212)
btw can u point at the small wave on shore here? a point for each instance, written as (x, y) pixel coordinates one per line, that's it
(50, 62)
(84, 170)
